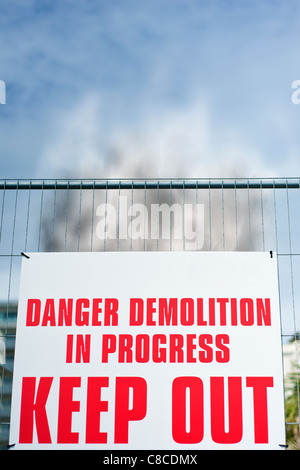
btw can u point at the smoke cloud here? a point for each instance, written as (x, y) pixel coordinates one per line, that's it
(182, 144)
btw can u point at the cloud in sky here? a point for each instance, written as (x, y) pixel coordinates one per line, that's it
(180, 142)
(160, 87)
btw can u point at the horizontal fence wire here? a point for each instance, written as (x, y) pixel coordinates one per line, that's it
(153, 183)
(215, 214)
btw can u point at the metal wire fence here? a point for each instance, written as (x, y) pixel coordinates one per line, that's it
(152, 215)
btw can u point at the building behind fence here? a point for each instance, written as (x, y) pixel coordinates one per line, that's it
(152, 215)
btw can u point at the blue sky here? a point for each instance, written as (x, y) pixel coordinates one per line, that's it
(149, 88)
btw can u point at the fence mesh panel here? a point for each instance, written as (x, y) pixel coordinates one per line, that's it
(152, 215)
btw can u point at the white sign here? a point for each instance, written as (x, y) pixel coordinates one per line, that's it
(137, 350)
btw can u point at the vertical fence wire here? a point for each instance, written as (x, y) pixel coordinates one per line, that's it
(296, 333)
(151, 215)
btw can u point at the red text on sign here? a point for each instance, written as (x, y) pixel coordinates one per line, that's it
(187, 414)
(68, 312)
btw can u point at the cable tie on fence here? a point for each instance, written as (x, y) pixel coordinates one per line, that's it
(271, 254)
(23, 254)
(283, 445)
(9, 446)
